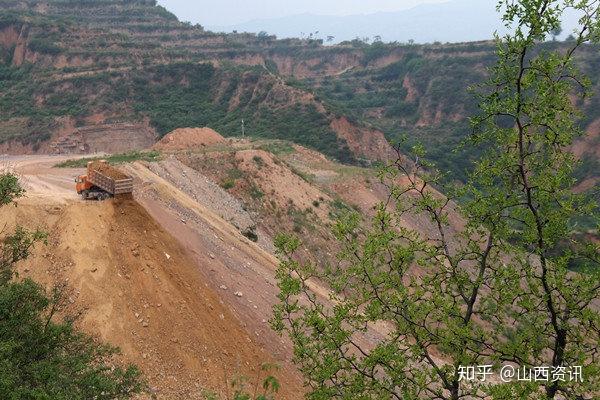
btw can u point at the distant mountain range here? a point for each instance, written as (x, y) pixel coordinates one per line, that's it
(454, 21)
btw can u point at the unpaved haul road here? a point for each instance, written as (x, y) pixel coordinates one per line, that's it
(39, 177)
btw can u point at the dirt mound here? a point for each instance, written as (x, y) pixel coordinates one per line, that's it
(188, 138)
(363, 142)
(283, 185)
(139, 289)
(108, 170)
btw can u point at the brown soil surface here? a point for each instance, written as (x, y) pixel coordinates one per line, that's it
(588, 144)
(108, 170)
(363, 142)
(283, 185)
(188, 138)
(585, 185)
(139, 289)
(151, 282)
(172, 280)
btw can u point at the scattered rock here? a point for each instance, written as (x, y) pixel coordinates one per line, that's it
(223, 287)
(239, 294)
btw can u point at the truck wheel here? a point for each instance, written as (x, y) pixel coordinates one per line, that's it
(85, 194)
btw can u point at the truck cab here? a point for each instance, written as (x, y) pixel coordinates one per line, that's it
(88, 190)
(82, 184)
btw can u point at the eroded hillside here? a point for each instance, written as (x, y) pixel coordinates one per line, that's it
(69, 69)
(75, 67)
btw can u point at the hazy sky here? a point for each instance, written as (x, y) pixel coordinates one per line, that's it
(230, 12)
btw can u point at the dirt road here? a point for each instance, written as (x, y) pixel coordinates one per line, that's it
(40, 178)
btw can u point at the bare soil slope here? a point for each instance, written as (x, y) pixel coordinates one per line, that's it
(173, 280)
(140, 290)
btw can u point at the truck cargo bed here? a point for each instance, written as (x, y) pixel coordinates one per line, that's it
(109, 179)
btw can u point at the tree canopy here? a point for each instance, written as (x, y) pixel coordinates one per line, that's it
(488, 286)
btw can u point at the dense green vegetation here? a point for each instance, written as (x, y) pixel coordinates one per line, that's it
(190, 94)
(425, 97)
(486, 291)
(34, 120)
(177, 95)
(149, 156)
(415, 100)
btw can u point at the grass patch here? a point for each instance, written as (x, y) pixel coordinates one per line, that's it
(300, 219)
(228, 183)
(278, 148)
(259, 161)
(255, 192)
(150, 156)
(308, 178)
(339, 208)
(235, 173)
(232, 176)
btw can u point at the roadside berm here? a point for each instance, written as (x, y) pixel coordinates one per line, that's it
(137, 288)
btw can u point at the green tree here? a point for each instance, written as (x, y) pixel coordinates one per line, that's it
(491, 287)
(244, 389)
(41, 357)
(556, 32)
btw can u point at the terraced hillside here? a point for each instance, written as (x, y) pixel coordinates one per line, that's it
(70, 66)
(425, 96)
(66, 70)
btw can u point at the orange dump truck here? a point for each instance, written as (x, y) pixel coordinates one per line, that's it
(103, 181)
